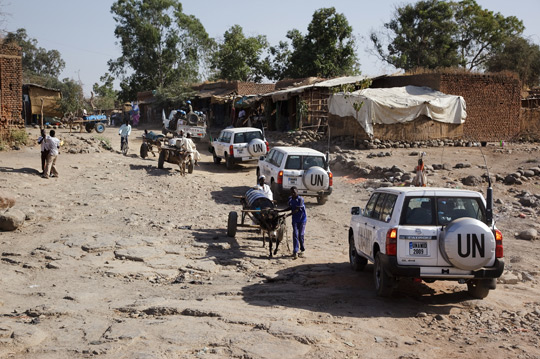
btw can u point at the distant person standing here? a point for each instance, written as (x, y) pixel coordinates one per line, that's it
(299, 219)
(44, 152)
(420, 180)
(190, 108)
(52, 145)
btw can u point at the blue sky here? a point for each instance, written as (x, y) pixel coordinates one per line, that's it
(83, 31)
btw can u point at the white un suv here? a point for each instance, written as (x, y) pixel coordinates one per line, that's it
(239, 145)
(304, 168)
(429, 234)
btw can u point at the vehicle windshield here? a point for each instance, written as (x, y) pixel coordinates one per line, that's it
(422, 210)
(246, 137)
(297, 162)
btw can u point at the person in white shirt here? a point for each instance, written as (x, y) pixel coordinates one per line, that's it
(44, 152)
(261, 186)
(52, 144)
(124, 132)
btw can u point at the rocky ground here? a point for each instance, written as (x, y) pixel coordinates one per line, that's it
(118, 259)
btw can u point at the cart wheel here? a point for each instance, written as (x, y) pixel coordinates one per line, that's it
(161, 159)
(190, 166)
(144, 150)
(100, 128)
(89, 127)
(232, 224)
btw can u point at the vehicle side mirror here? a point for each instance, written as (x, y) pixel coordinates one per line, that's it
(355, 211)
(262, 158)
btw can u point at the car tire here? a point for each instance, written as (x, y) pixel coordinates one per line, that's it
(217, 160)
(229, 162)
(275, 192)
(232, 224)
(384, 283)
(161, 159)
(144, 150)
(322, 199)
(478, 288)
(358, 263)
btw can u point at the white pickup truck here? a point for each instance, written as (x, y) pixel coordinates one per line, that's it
(180, 121)
(427, 234)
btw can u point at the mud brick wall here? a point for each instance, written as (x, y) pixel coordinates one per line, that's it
(10, 88)
(530, 123)
(493, 104)
(493, 101)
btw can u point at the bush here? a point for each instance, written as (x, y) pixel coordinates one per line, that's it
(18, 136)
(15, 137)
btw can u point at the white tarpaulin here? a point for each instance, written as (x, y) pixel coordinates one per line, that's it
(397, 105)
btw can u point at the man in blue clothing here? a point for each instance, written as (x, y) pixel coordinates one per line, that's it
(299, 219)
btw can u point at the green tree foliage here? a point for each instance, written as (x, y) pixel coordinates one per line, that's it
(238, 57)
(160, 44)
(436, 33)
(520, 56)
(481, 33)
(36, 61)
(328, 49)
(106, 95)
(72, 94)
(421, 36)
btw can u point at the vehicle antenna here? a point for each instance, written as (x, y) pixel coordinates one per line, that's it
(489, 194)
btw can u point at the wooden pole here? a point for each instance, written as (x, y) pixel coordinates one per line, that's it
(41, 118)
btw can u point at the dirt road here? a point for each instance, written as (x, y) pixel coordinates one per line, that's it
(122, 260)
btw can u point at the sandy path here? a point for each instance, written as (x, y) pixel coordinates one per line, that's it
(124, 260)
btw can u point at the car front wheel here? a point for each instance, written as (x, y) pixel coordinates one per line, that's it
(358, 263)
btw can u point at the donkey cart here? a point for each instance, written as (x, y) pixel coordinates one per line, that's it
(263, 214)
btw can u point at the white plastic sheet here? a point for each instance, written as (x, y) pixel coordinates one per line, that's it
(398, 105)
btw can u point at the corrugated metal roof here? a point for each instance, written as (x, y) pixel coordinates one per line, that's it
(282, 95)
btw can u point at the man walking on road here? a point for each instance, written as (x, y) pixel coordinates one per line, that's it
(299, 219)
(52, 144)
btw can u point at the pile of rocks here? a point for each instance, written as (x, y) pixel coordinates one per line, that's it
(376, 143)
(80, 144)
(520, 176)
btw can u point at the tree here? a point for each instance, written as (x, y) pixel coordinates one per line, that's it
(328, 49)
(238, 57)
(481, 33)
(421, 35)
(106, 94)
(36, 60)
(436, 33)
(518, 55)
(160, 44)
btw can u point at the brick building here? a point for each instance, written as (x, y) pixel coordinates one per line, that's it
(10, 87)
(493, 100)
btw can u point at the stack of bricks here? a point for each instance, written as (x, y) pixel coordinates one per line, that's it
(10, 88)
(493, 100)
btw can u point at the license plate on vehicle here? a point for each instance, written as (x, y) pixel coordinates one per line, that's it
(418, 249)
(292, 180)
